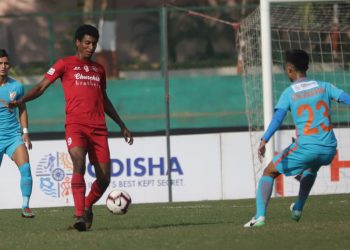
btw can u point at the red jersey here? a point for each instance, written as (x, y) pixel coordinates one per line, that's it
(84, 83)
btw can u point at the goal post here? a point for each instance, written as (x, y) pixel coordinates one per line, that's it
(266, 65)
(322, 28)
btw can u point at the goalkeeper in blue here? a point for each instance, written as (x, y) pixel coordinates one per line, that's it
(13, 142)
(309, 102)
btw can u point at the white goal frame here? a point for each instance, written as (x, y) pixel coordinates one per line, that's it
(266, 60)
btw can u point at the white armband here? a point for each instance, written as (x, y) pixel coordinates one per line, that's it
(25, 131)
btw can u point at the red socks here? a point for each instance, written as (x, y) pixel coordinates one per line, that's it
(78, 190)
(95, 194)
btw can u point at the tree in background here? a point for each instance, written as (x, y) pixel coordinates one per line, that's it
(106, 51)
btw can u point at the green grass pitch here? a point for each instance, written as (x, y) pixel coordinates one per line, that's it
(188, 225)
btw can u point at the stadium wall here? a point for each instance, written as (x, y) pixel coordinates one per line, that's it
(204, 167)
(195, 102)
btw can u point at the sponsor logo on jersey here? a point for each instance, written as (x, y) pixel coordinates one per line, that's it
(301, 86)
(94, 68)
(51, 71)
(86, 68)
(76, 68)
(12, 95)
(79, 76)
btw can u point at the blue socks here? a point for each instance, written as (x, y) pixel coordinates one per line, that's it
(263, 195)
(306, 183)
(265, 190)
(26, 183)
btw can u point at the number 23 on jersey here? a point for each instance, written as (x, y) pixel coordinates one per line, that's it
(308, 130)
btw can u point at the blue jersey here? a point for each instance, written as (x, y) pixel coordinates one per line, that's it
(310, 104)
(9, 124)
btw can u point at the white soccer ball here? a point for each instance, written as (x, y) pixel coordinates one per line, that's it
(118, 201)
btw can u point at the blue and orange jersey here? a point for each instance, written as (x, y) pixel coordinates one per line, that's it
(9, 124)
(310, 104)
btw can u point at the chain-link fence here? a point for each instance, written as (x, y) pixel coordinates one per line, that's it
(205, 90)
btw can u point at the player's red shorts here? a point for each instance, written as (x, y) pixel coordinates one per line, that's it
(94, 139)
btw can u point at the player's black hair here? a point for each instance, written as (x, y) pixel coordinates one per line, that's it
(3, 53)
(86, 29)
(298, 58)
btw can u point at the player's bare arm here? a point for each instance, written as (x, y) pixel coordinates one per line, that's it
(23, 118)
(32, 94)
(112, 113)
(261, 150)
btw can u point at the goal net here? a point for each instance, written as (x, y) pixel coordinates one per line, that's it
(323, 30)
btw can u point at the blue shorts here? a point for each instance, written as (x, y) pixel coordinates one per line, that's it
(294, 160)
(9, 146)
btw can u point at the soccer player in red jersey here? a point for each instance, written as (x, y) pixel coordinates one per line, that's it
(84, 87)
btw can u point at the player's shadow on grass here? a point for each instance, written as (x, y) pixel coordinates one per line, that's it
(158, 226)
